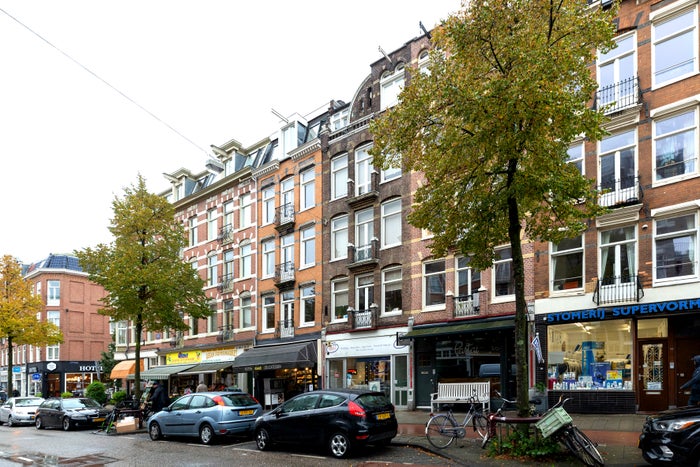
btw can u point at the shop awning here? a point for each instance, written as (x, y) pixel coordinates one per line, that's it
(123, 369)
(163, 371)
(207, 367)
(473, 326)
(294, 355)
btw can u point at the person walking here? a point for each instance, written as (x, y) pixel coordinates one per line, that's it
(202, 387)
(159, 398)
(694, 383)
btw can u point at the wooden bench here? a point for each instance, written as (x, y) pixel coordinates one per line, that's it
(461, 393)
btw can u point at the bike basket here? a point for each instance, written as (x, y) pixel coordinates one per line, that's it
(553, 421)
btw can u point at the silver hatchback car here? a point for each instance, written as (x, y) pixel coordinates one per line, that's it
(206, 415)
(19, 410)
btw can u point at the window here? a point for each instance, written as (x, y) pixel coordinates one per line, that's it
(53, 293)
(211, 225)
(268, 252)
(339, 299)
(53, 352)
(229, 268)
(192, 230)
(228, 314)
(617, 72)
(213, 319)
(287, 204)
(287, 254)
(308, 187)
(363, 171)
(228, 221)
(675, 49)
(246, 264)
(340, 119)
(212, 270)
(468, 298)
(246, 312)
(308, 246)
(268, 313)
(424, 62)
(339, 176)
(618, 168)
(308, 305)
(575, 153)
(675, 242)
(434, 283)
(391, 223)
(246, 211)
(194, 326)
(121, 333)
(391, 291)
(567, 264)
(617, 255)
(675, 143)
(268, 205)
(364, 292)
(390, 173)
(287, 311)
(364, 233)
(391, 84)
(339, 237)
(503, 273)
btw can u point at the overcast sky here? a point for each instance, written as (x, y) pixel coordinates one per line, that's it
(76, 76)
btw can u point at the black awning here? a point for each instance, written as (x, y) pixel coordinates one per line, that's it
(294, 355)
(163, 372)
(472, 326)
(207, 367)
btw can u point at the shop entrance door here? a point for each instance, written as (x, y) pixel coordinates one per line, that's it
(425, 375)
(686, 349)
(400, 381)
(652, 375)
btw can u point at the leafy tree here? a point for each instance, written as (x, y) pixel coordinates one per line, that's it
(489, 127)
(108, 361)
(18, 314)
(146, 280)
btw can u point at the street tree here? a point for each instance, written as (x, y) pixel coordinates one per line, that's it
(508, 88)
(147, 281)
(19, 307)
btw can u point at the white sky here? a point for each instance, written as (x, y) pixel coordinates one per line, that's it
(211, 69)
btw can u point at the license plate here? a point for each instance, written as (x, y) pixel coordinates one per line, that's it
(99, 419)
(246, 412)
(383, 416)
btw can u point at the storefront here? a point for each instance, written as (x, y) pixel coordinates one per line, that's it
(620, 359)
(375, 361)
(279, 372)
(473, 350)
(54, 378)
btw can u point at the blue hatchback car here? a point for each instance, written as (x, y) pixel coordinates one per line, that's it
(206, 415)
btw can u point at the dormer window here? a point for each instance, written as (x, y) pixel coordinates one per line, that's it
(391, 84)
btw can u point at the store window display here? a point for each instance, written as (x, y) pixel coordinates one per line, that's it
(591, 355)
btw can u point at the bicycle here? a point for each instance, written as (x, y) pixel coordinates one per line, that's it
(442, 429)
(554, 422)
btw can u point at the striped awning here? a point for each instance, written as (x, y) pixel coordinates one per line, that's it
(164, 372)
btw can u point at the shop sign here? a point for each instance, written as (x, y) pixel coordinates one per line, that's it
(194, 356)
(359, 347)
(16, 369)
(36, 377)
(623, 311)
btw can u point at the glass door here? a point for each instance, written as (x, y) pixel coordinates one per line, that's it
(653, 388)
(399, 396)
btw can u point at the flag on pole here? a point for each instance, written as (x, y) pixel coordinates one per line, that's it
(538, 349)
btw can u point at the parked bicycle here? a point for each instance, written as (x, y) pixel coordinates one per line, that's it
(555, 422)
(442, 429)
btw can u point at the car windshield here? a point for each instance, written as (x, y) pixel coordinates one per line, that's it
(374, 401)
(72, 403)
(27, 402)
(238, 400)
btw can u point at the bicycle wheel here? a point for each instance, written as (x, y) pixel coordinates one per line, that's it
(481, 425)
(582, 447)
(440, 431)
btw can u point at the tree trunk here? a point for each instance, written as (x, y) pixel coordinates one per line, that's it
(9, 366)
(137, 357)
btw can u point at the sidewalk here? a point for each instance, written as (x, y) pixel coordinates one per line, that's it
(616, 435)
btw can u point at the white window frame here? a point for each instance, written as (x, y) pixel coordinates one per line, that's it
(498, 263)
(339, 176)
(363, 170)
(268, 311)
(391, 84)
(623, 55)
(364, 233)
(576, 156)
(615, 247)
(308, 246)
(307, 296)
(428, 278)
(307, 180)
(391, 277)
(228, 217)
(246, 259)
(665, 16)
(212, 270)
(245, 312)
(339, 237)
(391, 223)
(268, 257)
(364, 292)
(268, 205)
(287, 196)
(674, 236)
(53, 293)
(614, 146)
(562, 250)
(472, 277)
(690, 165)
(339, 287)
(192, 230)
(245, 211)
(340, 119)
(287, 252)
(229, 265)
(212, 230)
(212, 320)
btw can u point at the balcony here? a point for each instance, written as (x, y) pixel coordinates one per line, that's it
(226, 334)
(466, 305)
(364, 319)
(225, 234)
(284, 275)
(620, 192)
(226, 284)
(363, 255)
(284, 217)
(285, 328)
(618, 289)
(362, 195)
(619, 96)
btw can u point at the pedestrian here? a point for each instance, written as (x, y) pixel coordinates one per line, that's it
(694, 383)
(159, 397)
(202, 387)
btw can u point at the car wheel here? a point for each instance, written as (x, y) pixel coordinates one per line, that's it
(66, 424)
(262, 439)
(339, 445)
(38, 423)
(206, 434)
(154, 431)
(9, 421)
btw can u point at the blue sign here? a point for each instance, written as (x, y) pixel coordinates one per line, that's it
(628, 311)
(36, 377)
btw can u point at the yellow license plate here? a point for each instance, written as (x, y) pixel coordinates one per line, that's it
(246, 412)
(99, 419)
(383, 416)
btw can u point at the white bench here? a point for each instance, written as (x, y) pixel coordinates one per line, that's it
(461, 393)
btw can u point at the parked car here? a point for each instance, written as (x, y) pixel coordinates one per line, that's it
(206, 415)
(19, 410)
(69, 413)
(340, 419)
(672, 437)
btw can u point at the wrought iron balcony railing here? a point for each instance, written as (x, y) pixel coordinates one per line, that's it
(620, 192)
(285, 328)
(466, 305)
(619, 96)
(226, 284)
(284, 273)
(365, 319)
(618, 289)
(284, 215)
(225, 234)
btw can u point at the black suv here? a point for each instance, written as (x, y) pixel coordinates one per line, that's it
(340, 419)
(672, 437)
